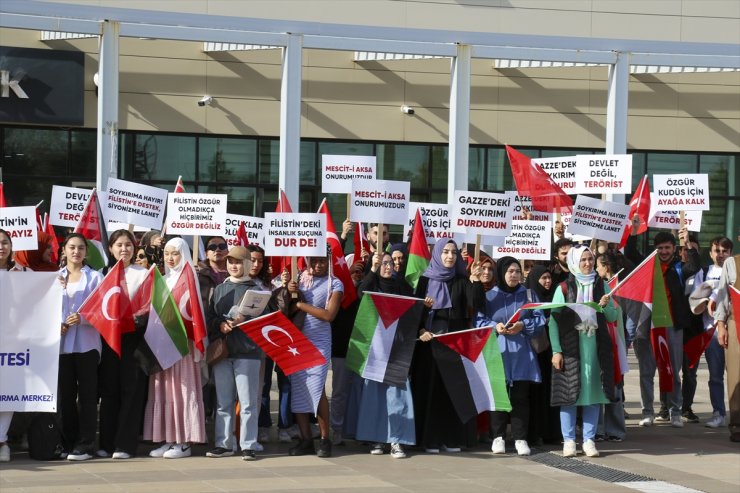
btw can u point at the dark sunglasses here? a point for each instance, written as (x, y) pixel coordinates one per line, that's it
(220, 246)
(141, 256)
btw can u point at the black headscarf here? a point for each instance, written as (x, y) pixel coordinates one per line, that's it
(501, 267)
(533, 283)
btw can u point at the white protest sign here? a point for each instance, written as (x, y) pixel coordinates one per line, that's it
(436, 219)
(134, 203)
(527, 240)
(562, 170)
(483, 213)
(20, 223)
(67, 205)
(201, 214)
(29, 353)
(337, 172)
(253, 225)
(380, 201)
(681, 192)
(600, 219)
(601, 174)
(295, 234)
(565, 221)
(671, 219)
(521, 202)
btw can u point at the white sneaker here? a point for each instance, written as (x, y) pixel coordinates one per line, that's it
(716, 421)
(498, 446)
(676, 421)
(76, 455)
(257, 447)
(589, 448)
(522, 447)
(178, 451)
(431, 450)
(120, 455)
(263, 434)
(397, 451)
(159, 451)
(102, 454)
(284, 436)
(451, 450)
(378, 449)
(569, 448)
(646, 421)
(4, 453)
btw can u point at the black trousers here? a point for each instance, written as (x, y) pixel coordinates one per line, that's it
(78, 400)
(519, 415)
(123, 387)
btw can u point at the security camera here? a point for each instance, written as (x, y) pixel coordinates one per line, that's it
(406, 109)
(205, 101)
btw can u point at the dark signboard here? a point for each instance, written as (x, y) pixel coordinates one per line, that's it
(41, 86)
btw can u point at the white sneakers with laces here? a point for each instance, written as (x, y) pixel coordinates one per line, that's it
(569, 448)
(646, 421)
(498, 446)
(676, 421)
(178, 451)
(522, 447)
(159, 451)
(716, 421)
(397, 451)
(589, 448)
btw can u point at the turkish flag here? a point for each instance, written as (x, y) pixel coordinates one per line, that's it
(532, 181)
(361, 242)
(108, 308)
(659, 340)
(340, 269)
(278, 264)
(241, 235)
(640, 207)
(186, 296)
(142, 299)
(283, 342)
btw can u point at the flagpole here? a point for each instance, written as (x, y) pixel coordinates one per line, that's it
(464, 331)
(619, 284)
(681, 224)
(476, 256)
(294, 273)
(196, 248)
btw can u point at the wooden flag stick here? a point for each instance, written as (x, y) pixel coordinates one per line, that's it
(476, 255)
(196, 249)
(294, 272)
(349, 203)
(681, 224)
(379, 240)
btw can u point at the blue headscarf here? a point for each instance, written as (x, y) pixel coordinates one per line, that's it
(439, 275)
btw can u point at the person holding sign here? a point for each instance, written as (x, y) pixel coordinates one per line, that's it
(582, 353)
(454, 296)
(236, 376)
(520, 360)
(174, 410)
(38, 260)
(79, 349)
(122, 384)
(323, 296)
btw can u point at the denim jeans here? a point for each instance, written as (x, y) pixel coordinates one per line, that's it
(285, 417)
(237, 378)
(611, 416)
(590, 415)
(715, 356)
(341, 382)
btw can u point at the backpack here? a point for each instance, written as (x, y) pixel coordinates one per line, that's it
(45, 437)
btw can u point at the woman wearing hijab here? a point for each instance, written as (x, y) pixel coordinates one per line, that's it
(399, 252)
(381, 413)
(38, 260)
(238, 375)
(583, 367)
(453, 295)
(519, 359)
(544, 424)
(174, 411)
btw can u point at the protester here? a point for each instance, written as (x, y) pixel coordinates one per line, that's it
(174, 410)
(519, 359)
(122, 384)
(720, 250)
(488, 280)
(38, 260)
(558, 267)
(544, 425)
(79, 349)
(212, 272)
(454, 295)
(143, 259)
(728, 338)
(323, 295)
(399, 252)
(382, 414)
(152, 241)
(582, 355)
(236, 376)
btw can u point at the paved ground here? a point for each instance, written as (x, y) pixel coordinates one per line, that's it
(693, 458)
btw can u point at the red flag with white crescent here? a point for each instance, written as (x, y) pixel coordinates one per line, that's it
(283, 342)
(278, 264)
(340, 269)
(187, 299)
(108, 308)
(241, 235)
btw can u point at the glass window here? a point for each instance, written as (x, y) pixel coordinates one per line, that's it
(346, 148)
(558, 152)
(402, 162)
(227, 159)
(440, 167)
(477, 169)
(269, 155)
(308, 163)
(158, 157)
(724, 178)
(499, 169)
(666, 164)
(241, 200)
(35, 152)
(83, 157)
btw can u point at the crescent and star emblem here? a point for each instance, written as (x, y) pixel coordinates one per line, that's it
(184, 299)
(106, 299)
(266, 334)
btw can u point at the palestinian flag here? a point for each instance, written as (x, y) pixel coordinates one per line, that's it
(472, 370)
(383, 337)
(419, 255)
(165, 340)
(642, 296)
(92, 227)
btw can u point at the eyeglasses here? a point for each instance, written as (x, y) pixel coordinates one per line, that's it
(217, 246)
(386, 263)
(141, 256)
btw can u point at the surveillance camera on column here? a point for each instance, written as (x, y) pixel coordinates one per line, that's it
(205, 101)
(407, 110)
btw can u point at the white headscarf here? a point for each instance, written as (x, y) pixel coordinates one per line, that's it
(172, 274)
(585, 285)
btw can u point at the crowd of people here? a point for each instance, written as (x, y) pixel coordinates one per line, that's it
(560, 364)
